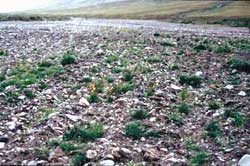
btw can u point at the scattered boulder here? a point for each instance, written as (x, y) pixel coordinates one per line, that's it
(245, 160)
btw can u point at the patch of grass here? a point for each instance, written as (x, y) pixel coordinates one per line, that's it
(11, 97)
(54, 142)
(4, 53)
(68, 58)
(95, 69)
(42, 154)
(137, 130)
(45, 64)
(68, 147)
(112, 58)
(99, 86)
(240, 65)
(214, 105)
(200, 47)
(2, 77)
(213, 129)
(93, 98)
(110, 79)
(127, 76)
(238, 119)
(184, 108)
(29, 93)
(192, 80)
(153, 59)
(84, 134)
(117, 69)
(167, 43)
(149, 92)
(87, 80)
(223, 49)
(176, 118)
(140, 114)
(79, 159)
(174, 66)
(191, 145)
(200, 158)
(118, 89)
(184, 95)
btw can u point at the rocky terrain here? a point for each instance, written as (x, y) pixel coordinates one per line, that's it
(111, 92)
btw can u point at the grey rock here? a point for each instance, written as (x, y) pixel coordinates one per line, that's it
(107, 163)
(245, 160)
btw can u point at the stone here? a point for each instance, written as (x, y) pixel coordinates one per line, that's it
(107, 163)
(83, 102)
(2, 145)
(72, 117)
(53, 114)
(198, 73)
(11, 125)
(172, 86)
(152, 155)
(4, 139)
(32, 163)
(229, 87)
(91, 154)
(242, 93)
(245, 160)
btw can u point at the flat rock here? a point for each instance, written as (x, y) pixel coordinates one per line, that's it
(245, 160)
(83, 102)
(107, 163)
(2, 144)
(72, 117)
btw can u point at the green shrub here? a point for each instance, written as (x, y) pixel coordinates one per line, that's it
(89, 133)
(176, 118)
(137, 130)
(127, 76)
(184, 108)
(200, 47)
(153, 59)
(4, 53)
(68, 147)
(192, 80)
(79, 159)
(238, 119)
(173, 66)
(29, 93)
(149, 92)
(214, 105)
(87, 79)
(240, 65)
(99, 86)
(121, 88)
(93, 98)
(201, 158)
(68, 59)
(223, 49)
(140, 114)
(157, 34)
(11, 97)
(112, 58)
(110, 79)
(167, 43)
(117, 69)
(213, 129)
(95, 69)
(45, 64)
(42, 154)
(2, 77)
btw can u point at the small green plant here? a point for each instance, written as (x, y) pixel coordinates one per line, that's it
(167, 43)
(153, 59)
(2, 77)
(173, 66)
(99, 86)
(86, 79)
(112, 58)
(54, 142)
(118, 89)
(200, 47)
(140, 114)
(157, 34)
(68, 58)
(238, 119)
(89, 133)
(201, 158)
(42, 154)
(193, 80)
(79, 159)
(29, 93)
(184, 108)
(184, 95)
(45, 64)
(176, 118)
(137, 130)
(240, 65)
(95, 69)
(93, 98)
(127, 75)
(149, 92)
(68, 147)
(213, 129)
(214, 105)
(191, 145)
(117, 69)
(4, 53)
(110, 79)
(12, 97)
(223, 49)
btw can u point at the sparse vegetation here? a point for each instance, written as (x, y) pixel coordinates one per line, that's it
(214, 105)
(79, 159)
(140, 114)
(213, 129)
(84, 134)
(68, 58)
(191, 80)
(240, 65)
(184, 108)
(3, 53)
(200, 158)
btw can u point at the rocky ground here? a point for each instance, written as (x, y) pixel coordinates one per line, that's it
(136, 93)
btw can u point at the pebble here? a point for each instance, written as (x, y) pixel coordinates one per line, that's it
(107, 163)
(242, 93)
(2, 145)
(229, 87)
(245, 160)
(72, 117)
(91, 154)
(83, 102)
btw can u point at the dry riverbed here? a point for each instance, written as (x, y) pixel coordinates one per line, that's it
(106, 92)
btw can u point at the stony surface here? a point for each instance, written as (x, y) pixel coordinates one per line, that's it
(151, 50)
